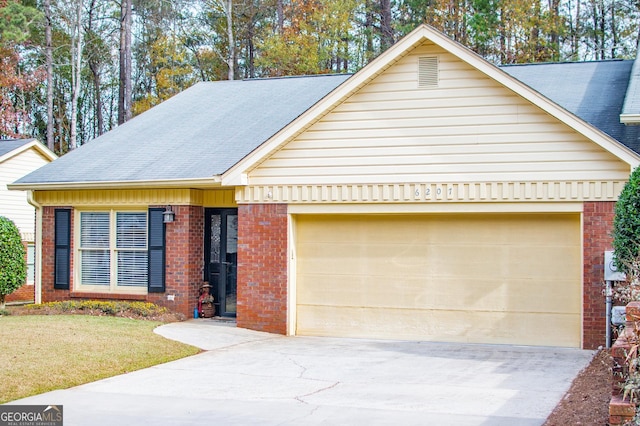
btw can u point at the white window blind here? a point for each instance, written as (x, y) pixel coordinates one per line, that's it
(113, 249)
(94, 249)
(131, 245)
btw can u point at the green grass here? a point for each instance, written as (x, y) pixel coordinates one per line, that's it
(40, 353)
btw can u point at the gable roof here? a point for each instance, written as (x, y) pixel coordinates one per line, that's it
(12, 147)
(213, 133)
(424, 33)
(196, 135)
(631, 110)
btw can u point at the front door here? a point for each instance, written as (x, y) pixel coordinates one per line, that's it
(221, 258)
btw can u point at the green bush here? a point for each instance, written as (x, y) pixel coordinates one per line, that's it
(626, 226)
(13, 266)
(115, 308)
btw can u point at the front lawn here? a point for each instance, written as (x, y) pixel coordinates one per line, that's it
(40, 353)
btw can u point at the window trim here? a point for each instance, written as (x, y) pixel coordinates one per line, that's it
(113, 288)
(31, 261)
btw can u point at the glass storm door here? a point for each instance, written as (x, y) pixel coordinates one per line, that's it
(221, 258)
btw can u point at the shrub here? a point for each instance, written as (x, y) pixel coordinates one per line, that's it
(13, 267)
(114, 308)
(626, 227)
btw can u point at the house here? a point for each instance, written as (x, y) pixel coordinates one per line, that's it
(19, 157)
(430, 196)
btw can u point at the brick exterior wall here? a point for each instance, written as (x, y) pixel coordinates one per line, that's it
(262, 267)
(184, 260)
(184, 263)
(598, 224)
(49, 294)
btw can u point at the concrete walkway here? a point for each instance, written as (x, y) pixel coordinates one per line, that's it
(252, 378)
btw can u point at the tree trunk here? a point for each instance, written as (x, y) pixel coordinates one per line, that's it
(125, 92)
(280, 12)
(369, 54)
(76, 75)
(231, 57)
(49, 63)
(94, 66)
(614, 31)
(386, 30)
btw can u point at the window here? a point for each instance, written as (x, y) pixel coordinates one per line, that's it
(31, 263)
(112, 251)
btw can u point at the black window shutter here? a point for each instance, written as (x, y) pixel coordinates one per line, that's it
(156, 251)
(62, 241)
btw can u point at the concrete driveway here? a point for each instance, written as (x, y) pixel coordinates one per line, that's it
(252, 378)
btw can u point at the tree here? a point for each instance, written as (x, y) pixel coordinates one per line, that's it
(626, 229)
(125, 94)
(13, 266)
(49, 64)
(16, 82)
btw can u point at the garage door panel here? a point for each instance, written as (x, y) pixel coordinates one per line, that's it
(443, 325)
(416, 293)
(493, 268)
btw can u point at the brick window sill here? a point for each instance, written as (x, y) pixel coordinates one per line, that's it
(107, 296)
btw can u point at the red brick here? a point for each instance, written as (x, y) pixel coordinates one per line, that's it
(184, 263)
(262, 267)
(598, 224)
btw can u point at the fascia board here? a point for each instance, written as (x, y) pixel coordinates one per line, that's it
(203, 183)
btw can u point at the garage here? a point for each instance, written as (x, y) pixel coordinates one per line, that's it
(479, 278)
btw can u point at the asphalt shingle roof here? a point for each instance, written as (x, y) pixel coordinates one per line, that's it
(8, 145)
(206, 129)
(632, 100)
(199, 133)
(594, 91)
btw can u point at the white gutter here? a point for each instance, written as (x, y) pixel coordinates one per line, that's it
(38, 248)
(203, 183)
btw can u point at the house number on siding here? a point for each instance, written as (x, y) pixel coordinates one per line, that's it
(438, 191)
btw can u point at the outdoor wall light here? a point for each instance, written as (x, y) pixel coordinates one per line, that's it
(168, 215)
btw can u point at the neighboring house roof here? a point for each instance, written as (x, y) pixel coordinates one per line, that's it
(12, 147)
(216, 132)
(631, 110)
(197, 134)
(594, 91)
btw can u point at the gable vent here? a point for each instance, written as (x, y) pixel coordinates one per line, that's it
(428, 72)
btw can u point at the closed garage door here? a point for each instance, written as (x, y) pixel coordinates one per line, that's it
(484, 278)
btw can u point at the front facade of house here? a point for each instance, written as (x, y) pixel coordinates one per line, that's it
(430, 196)
(19, 157)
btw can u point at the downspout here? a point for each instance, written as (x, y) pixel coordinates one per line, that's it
(38, 247)
(608, 300)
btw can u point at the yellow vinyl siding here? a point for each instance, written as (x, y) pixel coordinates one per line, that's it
(469, 129)
(127, 197)
(490, 278)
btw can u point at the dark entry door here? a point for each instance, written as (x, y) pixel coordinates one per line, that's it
(221, 258)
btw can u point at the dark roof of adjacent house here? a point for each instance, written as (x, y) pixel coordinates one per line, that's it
(206, 129)
(8, 145)
(632, 100)
(199, 133)
(594, 91)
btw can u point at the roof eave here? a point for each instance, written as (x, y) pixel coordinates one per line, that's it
(237, 175)
(630, 119)
(199, 183)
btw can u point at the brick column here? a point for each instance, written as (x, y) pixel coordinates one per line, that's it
(597, 228)
(262, 267)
